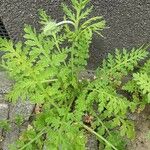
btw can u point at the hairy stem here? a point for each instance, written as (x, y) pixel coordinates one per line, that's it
(101, 122)
(65, 22)
(48, 81)
(99, 136)
(34, 139)
(57, 45)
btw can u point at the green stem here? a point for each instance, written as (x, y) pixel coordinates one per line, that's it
(72, 68)
(65, 22)
(34, 139)
(56, 43)
(103, 124)
(64, 117)
(57, 46)
(48, 81)
(77, 19)
(99, 136)
(76, 25)
(51, 102)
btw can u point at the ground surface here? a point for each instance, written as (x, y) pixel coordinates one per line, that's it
(8, 111)
(142, 123)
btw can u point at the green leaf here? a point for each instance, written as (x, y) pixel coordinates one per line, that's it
(58, 58)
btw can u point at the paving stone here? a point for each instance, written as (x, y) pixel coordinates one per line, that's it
(3, 111)
(4, 108)
(10, 111)
(92, 143)
(10, 137)
(5, 83)
(23, 109)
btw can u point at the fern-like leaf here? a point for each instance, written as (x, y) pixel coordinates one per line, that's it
(118, 66)
(143, 81)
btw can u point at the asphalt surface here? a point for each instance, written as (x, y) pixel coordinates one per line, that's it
(129, 22)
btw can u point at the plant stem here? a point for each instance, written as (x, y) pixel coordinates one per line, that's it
(76, 25)
(99, 136)
(47, 81)
(103, 124)
(34, 139)
(64, 117)
(56, 43)
(51, 102)
(77, 19)
(72, 62)
(65, 22)
(57, 46)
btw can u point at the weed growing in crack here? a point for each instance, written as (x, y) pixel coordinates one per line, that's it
(46, 70)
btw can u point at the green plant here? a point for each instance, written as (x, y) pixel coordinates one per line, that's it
(139, 86)
(4, 125)
(18, 120)
(148, 135)
(46, 70)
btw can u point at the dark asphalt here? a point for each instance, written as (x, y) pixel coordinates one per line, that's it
(129, 22)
